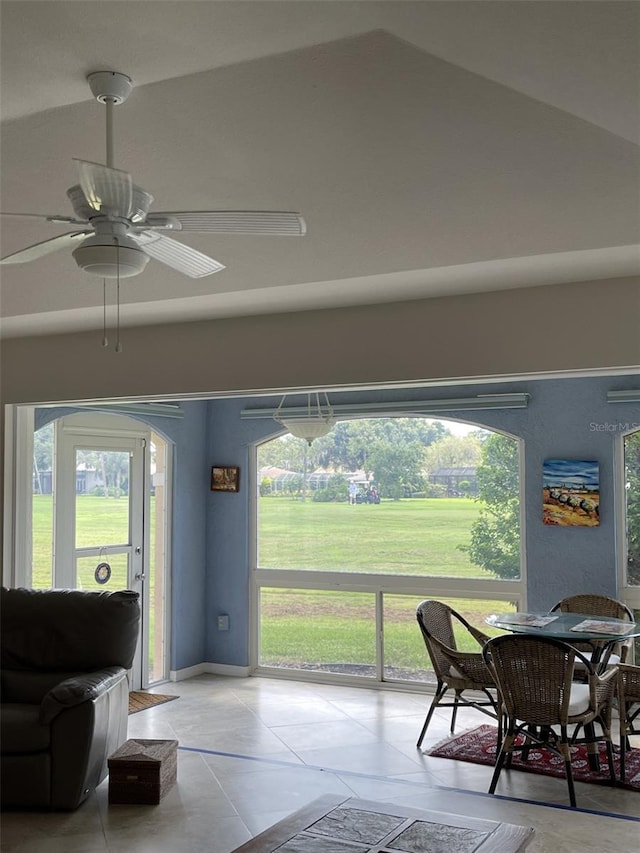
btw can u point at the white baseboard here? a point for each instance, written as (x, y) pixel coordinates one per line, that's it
(209, 669)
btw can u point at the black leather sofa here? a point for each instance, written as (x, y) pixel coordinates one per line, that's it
(64, 702)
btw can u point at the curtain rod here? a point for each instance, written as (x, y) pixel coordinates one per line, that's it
(403, 407)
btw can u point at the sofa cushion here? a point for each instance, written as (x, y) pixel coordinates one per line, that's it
(20, 729)
(67, 630)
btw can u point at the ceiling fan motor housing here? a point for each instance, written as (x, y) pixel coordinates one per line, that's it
(141, 201)
(110, 86)
(108, 256)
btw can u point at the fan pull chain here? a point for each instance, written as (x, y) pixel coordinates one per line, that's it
(118, 344)
(105, 339)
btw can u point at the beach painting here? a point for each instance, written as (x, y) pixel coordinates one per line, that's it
(570, 493)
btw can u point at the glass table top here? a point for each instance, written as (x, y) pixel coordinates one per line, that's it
(565, 626)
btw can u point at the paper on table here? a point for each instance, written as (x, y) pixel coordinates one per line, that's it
(596, 626)
(528, 619)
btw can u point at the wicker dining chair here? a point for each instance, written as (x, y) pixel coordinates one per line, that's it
(539, 696)
(593, 604)
(462, 672)
(628, 708)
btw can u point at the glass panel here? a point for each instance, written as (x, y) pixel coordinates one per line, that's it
(318, 630)
(93, 570)
(42, 509)
(102, 498)
(632, 495)
(405, 655)
(426, 502)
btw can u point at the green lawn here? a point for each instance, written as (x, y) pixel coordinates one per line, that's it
(322, 629)
(411, 537)
(328, 629)
(99, 521)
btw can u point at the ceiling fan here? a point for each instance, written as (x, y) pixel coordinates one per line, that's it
(117, 234)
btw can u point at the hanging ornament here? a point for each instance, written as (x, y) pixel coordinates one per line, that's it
(102, 573)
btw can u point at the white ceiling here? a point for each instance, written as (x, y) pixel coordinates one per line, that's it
(433, 147)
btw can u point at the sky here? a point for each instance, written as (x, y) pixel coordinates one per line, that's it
(458, 428)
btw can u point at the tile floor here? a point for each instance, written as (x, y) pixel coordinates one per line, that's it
(253, 750)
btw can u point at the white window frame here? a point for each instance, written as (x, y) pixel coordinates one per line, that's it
(629, 594)
(513, 591)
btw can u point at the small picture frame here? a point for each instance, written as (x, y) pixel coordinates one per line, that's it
(225, 478)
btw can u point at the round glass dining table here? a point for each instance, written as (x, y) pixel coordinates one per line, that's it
(600, 632)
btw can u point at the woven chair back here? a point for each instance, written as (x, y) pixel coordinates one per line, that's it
(434, 619)
(534, 676)
(594, 604)
(629, 683)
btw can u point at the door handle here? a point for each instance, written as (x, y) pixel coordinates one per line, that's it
(140, 576)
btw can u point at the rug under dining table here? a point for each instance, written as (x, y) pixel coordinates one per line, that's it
(479, 746)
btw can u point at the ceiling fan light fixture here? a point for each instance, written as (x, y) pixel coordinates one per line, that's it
(308, 428)
(100, 257)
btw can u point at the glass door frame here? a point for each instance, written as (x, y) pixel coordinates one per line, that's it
(86, 432)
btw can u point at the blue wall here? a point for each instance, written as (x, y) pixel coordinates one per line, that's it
(565, 418)
(229, 441)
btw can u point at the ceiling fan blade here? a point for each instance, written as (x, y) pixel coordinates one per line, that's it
(106, 190)
(55, 218)
(176, 255)
(265, 222)
(39, 250)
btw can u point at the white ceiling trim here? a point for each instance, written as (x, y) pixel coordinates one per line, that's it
(505, 274)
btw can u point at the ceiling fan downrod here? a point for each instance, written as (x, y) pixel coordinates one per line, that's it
(110, 88)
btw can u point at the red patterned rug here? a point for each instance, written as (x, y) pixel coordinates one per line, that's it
(478, 746)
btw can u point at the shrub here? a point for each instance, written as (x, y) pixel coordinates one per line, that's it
(337, 490)
(265, 486)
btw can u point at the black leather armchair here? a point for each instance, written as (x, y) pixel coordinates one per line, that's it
(64, 702)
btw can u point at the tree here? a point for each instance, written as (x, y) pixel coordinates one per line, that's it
(397, 468)
(495, 535)
(347, 446)
(632, 489)
(113, 468)
(337, 489)
(453, 451)
(392, 449)
(335, 450)
(287, 452)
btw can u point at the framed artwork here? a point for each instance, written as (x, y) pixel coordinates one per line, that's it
(225, 478)
(570, 493)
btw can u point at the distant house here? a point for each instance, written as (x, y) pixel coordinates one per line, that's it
(87, 479)
(452, 478)
(280, 478)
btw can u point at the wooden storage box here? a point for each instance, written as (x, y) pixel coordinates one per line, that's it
(142, 771)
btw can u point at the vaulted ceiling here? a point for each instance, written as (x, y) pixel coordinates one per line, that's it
(433, 147)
